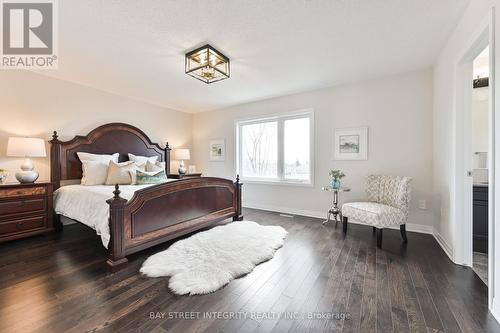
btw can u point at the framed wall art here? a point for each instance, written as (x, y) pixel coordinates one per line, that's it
(350, 144)
(217, 150)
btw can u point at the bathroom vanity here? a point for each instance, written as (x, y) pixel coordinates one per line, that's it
(480, 218)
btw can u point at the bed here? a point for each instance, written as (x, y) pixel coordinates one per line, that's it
(138, 217)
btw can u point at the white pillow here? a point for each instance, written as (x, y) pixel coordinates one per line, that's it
(155, 167)
(94, 172)
(88, 178)
(142, 159)
(98, 157)
(141, 167)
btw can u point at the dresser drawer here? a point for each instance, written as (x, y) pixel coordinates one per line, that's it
(22, 192)
(23, 225)
(22, 206)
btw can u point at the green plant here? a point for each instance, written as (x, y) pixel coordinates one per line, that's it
(336, 174)
(3, 170)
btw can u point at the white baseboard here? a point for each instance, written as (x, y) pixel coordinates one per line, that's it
(495, 309)
(420, 228)
(444, 245)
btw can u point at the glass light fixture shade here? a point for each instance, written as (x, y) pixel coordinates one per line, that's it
(207, 64)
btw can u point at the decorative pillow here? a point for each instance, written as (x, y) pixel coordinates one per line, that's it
(155, 167)
(142, 159)
(97, 157)
(94, 172)
(150, 177)
(119, 173)
(141, 167)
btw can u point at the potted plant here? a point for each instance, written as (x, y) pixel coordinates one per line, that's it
(4, 173)
(335, 177)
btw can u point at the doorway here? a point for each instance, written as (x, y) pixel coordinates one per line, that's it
(463, 160)
(480, 125)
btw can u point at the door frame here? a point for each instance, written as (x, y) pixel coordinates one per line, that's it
(462, 236)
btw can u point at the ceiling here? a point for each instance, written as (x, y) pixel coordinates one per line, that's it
(136, 48)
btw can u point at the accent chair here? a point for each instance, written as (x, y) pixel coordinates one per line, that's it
(388, 202)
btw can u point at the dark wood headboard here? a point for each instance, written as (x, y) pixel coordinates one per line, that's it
(106, 139)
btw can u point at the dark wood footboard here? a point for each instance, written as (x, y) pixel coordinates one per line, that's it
(166, 211)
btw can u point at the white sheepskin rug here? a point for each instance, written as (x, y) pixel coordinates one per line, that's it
(210, 259)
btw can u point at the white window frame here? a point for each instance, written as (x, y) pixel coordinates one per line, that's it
(280, 119)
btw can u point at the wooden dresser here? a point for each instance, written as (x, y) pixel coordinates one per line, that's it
(25, 210)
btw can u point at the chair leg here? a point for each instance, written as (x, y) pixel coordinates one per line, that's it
(402, 228)
(344, 224)
(379, 237)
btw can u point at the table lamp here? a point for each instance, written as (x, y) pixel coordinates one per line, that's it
(26, 147)
(182, 154)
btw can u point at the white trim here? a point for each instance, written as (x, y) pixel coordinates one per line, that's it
(412, 227)
(461, 196)
(419, 228)
(492, 230)
(264, 181)
(464, 94)
(495, 309)
(444, 245)
(461, 238)
(275, 115)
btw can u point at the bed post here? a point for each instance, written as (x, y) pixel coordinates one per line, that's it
(55, 173)
(237, 184)
(167, 159)
(55, 161)
(116, 251)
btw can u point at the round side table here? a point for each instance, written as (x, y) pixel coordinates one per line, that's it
(335, 210)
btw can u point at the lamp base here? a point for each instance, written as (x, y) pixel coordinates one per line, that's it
(182, 169)
(27, 176)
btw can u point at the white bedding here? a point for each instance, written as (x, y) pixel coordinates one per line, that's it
(87, 204)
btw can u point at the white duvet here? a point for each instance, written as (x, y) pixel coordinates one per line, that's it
(87, 204)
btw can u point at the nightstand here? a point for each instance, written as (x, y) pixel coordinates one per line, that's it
(25, 210)
(186, 175)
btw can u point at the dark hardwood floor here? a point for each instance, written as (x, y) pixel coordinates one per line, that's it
(59, 283)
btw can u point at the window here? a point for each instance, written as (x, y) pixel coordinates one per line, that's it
(276, 149)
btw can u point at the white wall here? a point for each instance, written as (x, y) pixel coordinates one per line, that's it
(480, 133)
(35, 105)
(480, 110)
(398, 111)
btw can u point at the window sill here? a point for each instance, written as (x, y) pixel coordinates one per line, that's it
(277, 182)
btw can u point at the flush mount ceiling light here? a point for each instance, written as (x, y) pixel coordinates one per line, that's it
(207, 64)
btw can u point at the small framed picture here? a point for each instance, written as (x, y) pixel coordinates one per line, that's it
(350, 144)
(217, 150)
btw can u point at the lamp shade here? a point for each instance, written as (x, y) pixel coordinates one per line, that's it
(181, 154)
(26, 147)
